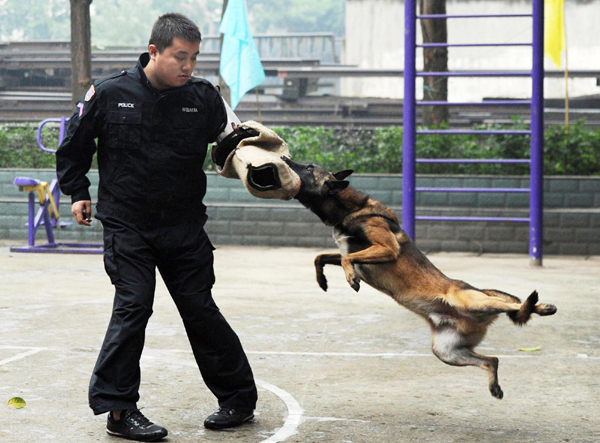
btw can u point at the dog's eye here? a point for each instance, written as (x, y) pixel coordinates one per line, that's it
(309, 168)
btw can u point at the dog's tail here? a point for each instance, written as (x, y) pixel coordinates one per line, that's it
(523, 315)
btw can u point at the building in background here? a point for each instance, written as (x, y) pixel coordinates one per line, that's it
(375, 39)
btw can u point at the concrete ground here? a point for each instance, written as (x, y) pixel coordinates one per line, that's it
(331, 367)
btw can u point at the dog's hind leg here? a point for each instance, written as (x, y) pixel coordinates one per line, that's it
(472, 300)
(507, 297)
(523, 314)
(320, 262)
(529, 307)
(452, 348)
(519, 316)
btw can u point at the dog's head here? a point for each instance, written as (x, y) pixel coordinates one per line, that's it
(317, 182)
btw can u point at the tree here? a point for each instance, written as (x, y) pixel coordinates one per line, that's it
(435, 60)
(81, 49)
(128, 23)
(33, 20)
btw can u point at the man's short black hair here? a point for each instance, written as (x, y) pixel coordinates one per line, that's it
(171, 25)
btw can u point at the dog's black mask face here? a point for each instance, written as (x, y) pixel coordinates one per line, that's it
(317, 182)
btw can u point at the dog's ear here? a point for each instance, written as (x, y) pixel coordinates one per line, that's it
(335, 186)
(341, 175)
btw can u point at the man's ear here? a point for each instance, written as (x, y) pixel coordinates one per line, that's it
(153, 51)
(341, 175)
(335, 186)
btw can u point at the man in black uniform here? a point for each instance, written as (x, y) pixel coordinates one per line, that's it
(153, 124)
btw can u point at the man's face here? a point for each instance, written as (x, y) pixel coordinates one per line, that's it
(175, 64)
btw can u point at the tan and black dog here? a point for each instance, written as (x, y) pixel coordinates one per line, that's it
(376, 250)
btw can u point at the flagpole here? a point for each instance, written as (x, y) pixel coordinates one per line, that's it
(258, 105)
(240, 64)
(225, 93)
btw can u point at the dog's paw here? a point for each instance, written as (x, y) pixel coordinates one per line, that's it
(496, 391)
(322, 280)
(351, 277)
(545, 309)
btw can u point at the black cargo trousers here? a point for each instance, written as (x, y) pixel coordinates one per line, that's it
(184, 256)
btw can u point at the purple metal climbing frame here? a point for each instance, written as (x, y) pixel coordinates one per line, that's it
(49, 206)
(536, 130)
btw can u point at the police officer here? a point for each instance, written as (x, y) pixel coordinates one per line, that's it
(153, 124)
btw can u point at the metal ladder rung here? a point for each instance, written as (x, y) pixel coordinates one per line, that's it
(473, 160)
(433, 16)
(473, 131)
(483, 103)
(481, 190)
(474, 74)
(489, 219)
(468, 45)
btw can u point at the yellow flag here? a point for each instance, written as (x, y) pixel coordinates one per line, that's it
(554, 29)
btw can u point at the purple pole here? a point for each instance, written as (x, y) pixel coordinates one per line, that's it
(536, 232)
(61, 133)
(472, 16)
(48, 224)
(409, 116)
(513, 161)
(39, 134)
(31, 220)
(470, 219)
(472, 131)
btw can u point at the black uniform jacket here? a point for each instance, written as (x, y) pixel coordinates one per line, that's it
(151, 147)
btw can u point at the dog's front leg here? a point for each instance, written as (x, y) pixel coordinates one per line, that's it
(372, 255)
(320, 262)
(348, 267)
(384, 249)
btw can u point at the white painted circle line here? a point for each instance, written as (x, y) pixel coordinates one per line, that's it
(294, 415)
(364, 354)
(289, 428)
(32, 351)
(294, 411)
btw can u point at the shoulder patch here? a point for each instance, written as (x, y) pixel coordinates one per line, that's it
(90, 94)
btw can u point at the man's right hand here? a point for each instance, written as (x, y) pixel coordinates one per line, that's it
(82, 211)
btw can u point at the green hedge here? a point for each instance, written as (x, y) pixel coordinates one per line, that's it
(18, 147)
(379, 150)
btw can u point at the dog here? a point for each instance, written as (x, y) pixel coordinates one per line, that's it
(375, 249)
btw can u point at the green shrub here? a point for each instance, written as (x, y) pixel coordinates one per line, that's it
(575, 153)
(379, 150)
(18, 147)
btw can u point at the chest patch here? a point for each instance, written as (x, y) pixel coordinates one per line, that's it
(341, 240)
